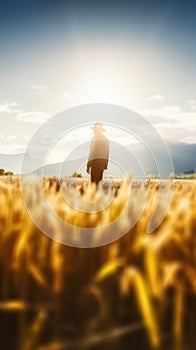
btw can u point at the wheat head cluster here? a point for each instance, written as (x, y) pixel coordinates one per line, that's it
(139, 291)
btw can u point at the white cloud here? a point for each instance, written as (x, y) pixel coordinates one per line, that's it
(171, 109)
(155, 98)
(22, 125)
(192, 104)
(68, 96)
(11, 137)
(172, 123)
(9, 107)
(5, 138)
(165, 112)
(12, 149)
(39, 88)
(32, 117)
(25, 137)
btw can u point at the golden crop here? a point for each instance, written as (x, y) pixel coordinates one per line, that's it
(137, 292)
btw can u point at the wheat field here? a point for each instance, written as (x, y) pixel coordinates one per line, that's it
(138, 292)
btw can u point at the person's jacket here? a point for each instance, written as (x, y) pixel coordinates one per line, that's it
(99, 153)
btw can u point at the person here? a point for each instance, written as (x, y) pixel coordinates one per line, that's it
(98, 154)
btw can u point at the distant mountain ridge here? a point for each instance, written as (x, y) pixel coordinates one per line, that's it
(134, 159)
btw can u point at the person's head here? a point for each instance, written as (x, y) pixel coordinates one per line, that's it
(98, 129)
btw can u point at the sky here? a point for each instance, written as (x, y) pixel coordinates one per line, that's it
(58, 54)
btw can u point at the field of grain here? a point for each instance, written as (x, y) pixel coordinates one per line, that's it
(138, 292)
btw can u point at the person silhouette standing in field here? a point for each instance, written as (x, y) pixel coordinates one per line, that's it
(98, 154)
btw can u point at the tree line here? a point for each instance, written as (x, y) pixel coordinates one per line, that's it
(3, 172)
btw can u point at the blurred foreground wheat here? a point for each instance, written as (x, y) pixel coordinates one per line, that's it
(138, 292)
